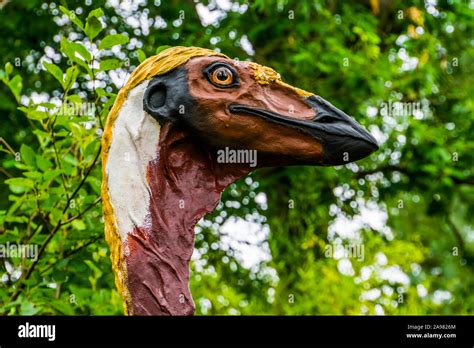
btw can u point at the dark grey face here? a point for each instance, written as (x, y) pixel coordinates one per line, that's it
(167, 97)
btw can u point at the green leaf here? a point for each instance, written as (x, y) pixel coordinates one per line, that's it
(112, 40)
(34, 114)
(67, 49)
(79, 225)
(103, 93)
(162, 48)
(97, 271)
(108, 104)
(91, 149)
(74, 98)
(93, 27)
(71, 159)
(73, 49)
(95, 183)
(20, 182)
(62, 308)
(37, 115)
(47, 105)
(141, 55)
(55, 71)
(28, 155)
(71, 77)
(72, 16)
(110, 64)
(42, 136)
(43, 164)
(27, 308)
(96, 13)
(82, 51)
(16, 85)
(8, 68)
(51, 174)
(35, 176)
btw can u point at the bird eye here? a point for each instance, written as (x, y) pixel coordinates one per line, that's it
(222, 76)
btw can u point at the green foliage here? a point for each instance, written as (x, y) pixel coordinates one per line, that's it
(361, 57)
(111, 40)
(15, 84)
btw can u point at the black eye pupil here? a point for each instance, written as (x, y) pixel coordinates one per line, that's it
(222, 75)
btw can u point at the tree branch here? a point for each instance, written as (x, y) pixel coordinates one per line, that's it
(83, 180)
(33, 265)
(53, 232)
(97, 200)
(457, 233)
(75, 251)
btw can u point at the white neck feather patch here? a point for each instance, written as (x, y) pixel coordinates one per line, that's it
(135, 137)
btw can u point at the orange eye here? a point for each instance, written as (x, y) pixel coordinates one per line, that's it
(222, 76)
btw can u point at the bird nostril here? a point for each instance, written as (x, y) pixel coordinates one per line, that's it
(325, 119)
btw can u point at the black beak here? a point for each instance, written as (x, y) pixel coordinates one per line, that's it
(343, 139)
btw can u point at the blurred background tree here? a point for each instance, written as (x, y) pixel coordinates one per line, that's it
(275, 245)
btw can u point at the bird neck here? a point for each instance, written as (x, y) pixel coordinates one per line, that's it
(185, 182)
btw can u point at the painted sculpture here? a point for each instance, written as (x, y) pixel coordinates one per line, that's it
(161, 173)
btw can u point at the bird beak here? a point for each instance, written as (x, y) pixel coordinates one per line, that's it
(343, 139)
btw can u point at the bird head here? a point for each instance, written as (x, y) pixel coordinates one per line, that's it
(244, 105)
(160, 172)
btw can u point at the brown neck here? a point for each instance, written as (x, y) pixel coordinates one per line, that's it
(185, 183)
